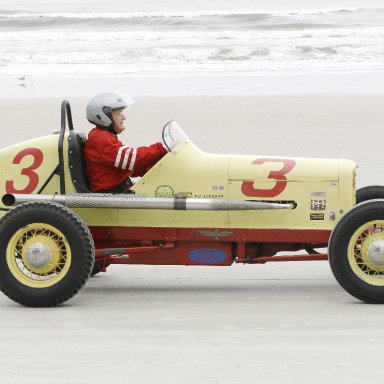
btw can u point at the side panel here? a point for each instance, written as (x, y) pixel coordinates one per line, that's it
(120, 236)
(322, 189)
(27, 166)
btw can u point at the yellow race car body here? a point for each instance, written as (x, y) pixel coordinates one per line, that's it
(320, 190)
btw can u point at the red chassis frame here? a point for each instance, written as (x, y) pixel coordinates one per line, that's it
(203, 246)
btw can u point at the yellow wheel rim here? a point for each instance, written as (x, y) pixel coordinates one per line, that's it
(366, 253)
(38, 255)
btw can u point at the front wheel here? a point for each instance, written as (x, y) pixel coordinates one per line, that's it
(369, 193)
(46, 254)
(356, 251)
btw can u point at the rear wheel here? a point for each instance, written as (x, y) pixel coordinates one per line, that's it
(356, 251)
(46, 254)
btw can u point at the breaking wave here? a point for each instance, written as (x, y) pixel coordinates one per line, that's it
(176, 20)
(156, 42)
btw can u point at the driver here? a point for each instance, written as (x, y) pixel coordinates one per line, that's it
(110, 163)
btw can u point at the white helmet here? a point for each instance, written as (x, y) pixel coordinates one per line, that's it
(100, 107)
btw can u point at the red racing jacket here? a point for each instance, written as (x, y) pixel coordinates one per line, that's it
(109, 162)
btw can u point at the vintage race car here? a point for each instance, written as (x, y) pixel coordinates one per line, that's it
(191, 208)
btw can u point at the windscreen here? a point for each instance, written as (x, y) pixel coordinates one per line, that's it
(173, 135)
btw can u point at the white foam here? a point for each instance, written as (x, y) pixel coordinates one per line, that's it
(122, 39)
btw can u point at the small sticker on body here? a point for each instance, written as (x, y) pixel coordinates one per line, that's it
(317, 194)
(316, 216)
(318, 205)
(207, 256)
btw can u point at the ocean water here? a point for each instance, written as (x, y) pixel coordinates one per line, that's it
(120, 38)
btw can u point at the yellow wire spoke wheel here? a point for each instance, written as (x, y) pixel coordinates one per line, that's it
(38, 255)
(356, 251)
(46, 254)
(366, 252)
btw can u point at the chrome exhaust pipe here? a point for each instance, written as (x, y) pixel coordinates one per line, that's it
(131, 201)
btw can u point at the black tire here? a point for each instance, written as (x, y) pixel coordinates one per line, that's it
(46, 254)
(369, 193)
(356, 251)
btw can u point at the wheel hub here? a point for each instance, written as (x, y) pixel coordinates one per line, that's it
(376, 252)
(38, 255)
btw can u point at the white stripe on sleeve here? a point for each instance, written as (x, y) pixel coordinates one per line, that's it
(126, 157)
(133, 159)
(118, 157)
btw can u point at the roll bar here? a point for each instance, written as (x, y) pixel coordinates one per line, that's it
(66, 116)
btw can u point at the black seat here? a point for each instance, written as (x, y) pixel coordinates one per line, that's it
(76, 161)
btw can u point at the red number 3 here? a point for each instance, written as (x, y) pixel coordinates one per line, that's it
(248, 189)
(27, 171)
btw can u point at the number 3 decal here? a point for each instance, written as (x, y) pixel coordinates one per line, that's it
(248, 189)
(29, 171)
